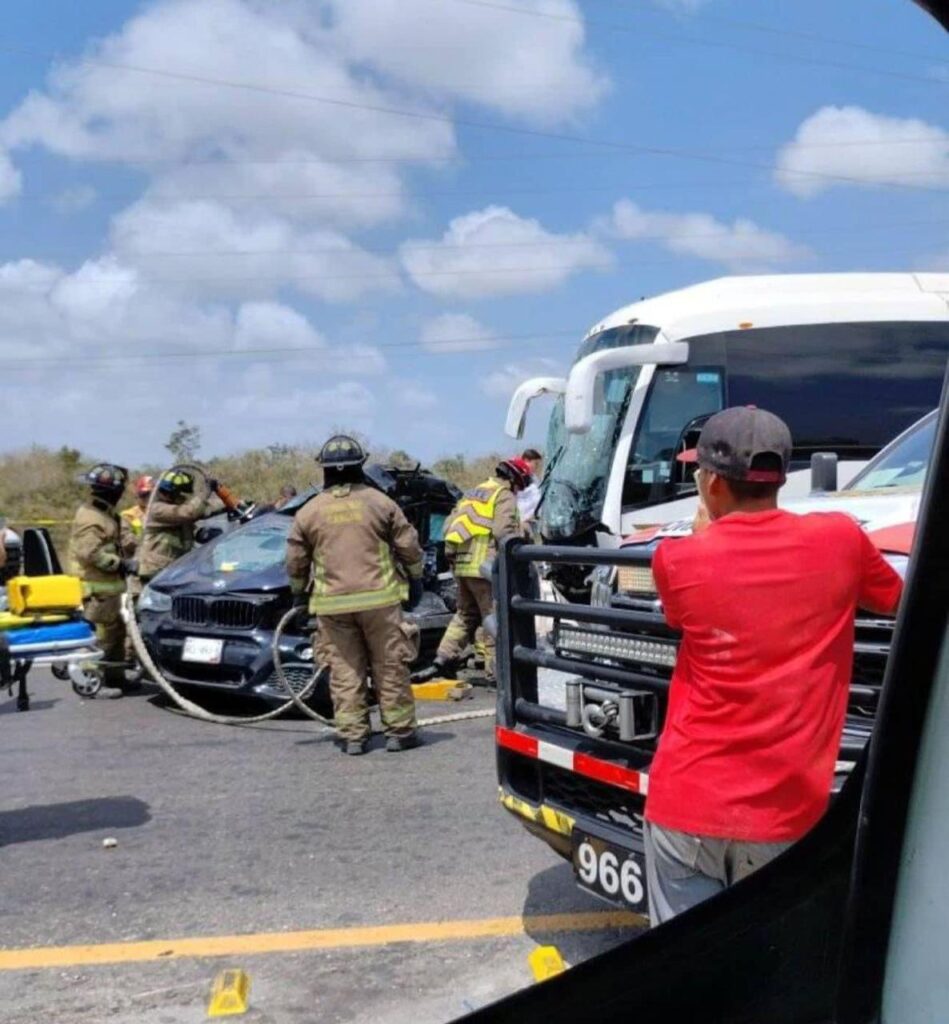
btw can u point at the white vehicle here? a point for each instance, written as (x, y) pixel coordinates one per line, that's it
(847, 360)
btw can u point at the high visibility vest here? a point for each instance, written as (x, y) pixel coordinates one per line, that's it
(469, 530)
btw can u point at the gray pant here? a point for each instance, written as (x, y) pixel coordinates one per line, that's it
(684, 869)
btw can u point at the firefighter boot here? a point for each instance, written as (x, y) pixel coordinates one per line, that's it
(356, 747)
(396, 744)
(437, 670)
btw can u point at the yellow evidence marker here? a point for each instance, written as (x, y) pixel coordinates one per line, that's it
(229, 994)
(546, 962)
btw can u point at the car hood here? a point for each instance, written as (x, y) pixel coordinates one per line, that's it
(888, 517)
(198, 571)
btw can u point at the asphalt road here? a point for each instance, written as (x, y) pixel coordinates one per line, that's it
(254, 831)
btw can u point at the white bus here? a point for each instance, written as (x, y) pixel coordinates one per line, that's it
(847, 360)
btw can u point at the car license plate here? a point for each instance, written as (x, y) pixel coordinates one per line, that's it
(203, 649)
(609, 870)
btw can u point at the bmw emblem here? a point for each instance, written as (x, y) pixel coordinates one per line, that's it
(219, 584)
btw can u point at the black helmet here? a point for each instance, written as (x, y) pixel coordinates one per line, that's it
(341, 451)
(107, 481)
(176, 482)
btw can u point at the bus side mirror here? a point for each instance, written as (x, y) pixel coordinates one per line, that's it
(522, 398)
(824, 471)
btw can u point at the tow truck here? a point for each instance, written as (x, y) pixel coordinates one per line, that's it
(583, 686)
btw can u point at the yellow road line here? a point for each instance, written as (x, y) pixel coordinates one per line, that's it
(323, 938)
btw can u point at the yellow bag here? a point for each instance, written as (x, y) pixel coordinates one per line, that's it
(33, 594)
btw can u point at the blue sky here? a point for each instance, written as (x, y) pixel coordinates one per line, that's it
(191, 188)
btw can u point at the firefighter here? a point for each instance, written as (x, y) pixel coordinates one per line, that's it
(483, 518)
(168, 530)
(361, 552)
(133, 517)
(96, 557)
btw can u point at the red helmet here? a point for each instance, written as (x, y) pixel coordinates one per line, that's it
(517, 471)
(144, 486)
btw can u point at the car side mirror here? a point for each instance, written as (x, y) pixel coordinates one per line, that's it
(824, 471)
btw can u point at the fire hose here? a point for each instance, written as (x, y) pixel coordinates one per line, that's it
(296, 699)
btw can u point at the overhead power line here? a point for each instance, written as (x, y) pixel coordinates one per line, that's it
(791, 33)
(435, 117)
(459, 157)
(549, 245)
(492, 190)
(393, 273)
(682, 40)
(446, 346)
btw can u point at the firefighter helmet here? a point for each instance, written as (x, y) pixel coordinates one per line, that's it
(107, 481)
(341, 451)
(144, 486)
(176, 482)
(516, 471)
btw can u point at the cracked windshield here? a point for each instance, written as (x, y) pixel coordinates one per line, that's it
(398, 397)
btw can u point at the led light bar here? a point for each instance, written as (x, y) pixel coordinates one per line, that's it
(635, 579)
(618, 645)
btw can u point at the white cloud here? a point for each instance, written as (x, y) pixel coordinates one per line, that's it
(235, 253)
(97, 112)
(11, 180)
(865, 149)
(100, 290)
(740, 245)
(495, 252)
(523, 65)
(500, 383)
(455, 332)
(413, 395)
(273, 325)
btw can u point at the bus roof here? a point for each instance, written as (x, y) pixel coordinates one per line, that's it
(773, 300)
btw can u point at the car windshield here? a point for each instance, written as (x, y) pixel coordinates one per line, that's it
(252, 548)
(904, 465)
(579, 467)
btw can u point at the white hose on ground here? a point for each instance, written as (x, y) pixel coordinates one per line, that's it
(188, 706)
(296, 699)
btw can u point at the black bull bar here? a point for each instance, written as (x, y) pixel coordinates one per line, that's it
(518, 603)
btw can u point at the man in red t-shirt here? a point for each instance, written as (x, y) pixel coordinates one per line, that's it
(765, 600)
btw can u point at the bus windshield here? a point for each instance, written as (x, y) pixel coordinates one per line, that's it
(579, 464)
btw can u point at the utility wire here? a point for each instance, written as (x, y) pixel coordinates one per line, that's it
(432, 116)
(284, 197)
(393, 272)
(790, 33)
(461, 158)
(680, 40)
(446, 346)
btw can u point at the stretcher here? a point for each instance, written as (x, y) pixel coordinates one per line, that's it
(66, 645)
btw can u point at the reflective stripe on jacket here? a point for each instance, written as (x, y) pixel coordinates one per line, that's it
(95, 554)
(478, 523)
(134, 518)
(358, 547)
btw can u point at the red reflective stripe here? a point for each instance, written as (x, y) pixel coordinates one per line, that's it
(603, 771)
(583, 764)
(516, 741)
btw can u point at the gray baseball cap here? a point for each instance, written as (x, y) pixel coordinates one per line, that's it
(734, 439)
